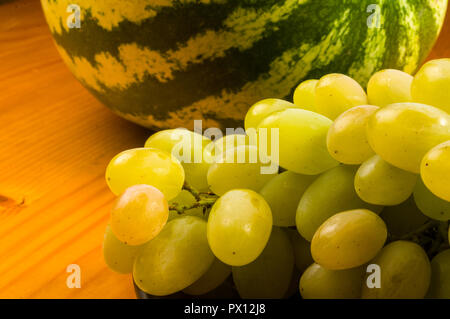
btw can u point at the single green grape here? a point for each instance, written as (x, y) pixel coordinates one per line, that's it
(346, 139)
(212, 279)
(149, 166)
(301, 142)
(228, 142)
(440, 276)
(429, 204)
(117, 255)
(336, 93)
(431, 84)
(318, 282)
(139, 214)
(305, 95)
(435, 170)
(404, 218)
(239, 226)
(264, 108)
(239, 168)
(269, 276)
(331, 193)
(185, 199)
(379, 183)
(189, 148)
(388, 87)
(348, 239)
(173, 214)
(283, 193)
(293, 286)
(302, 251)
(404, 272)
(403, 133)
(175, 259)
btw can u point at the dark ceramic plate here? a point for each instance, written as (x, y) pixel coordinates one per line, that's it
(225, 291)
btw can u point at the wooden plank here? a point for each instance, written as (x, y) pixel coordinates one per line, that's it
(55, 141)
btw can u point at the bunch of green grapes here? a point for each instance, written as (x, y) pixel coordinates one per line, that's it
(188, 211)
(341, 193)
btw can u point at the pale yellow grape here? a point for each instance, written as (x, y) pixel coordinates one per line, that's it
(404, 272)
(175, 259)
(302, 140)
(305, 95)
(348, 239)
(302, 251)
(262, 109)
(318, 282)
(139, 214)
(403, 133)
(117, 255)
(212, 279)
(149, 166)
(283, 193)
(379, 183)
(269, 276)
(389, 86)
(346, 139)
(228, 142)
(440, 276)
(331, 193)
(239, 168)
(431, 205)
(431, 84)
(189, 148)
(239, 226)
(404, 218)
(435, 170)
(336, 93)
(185, 199)
(176, 141)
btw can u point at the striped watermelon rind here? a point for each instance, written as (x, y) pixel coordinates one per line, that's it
(163, 63)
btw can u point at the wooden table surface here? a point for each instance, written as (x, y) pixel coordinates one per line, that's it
(55, 142)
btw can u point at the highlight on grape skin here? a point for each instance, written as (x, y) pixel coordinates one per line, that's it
(145, 166)
(139, 214)
(359, 206)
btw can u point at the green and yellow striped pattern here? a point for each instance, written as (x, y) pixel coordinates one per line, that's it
(163, 63)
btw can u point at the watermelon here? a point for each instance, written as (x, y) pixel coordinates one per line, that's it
(164, 63)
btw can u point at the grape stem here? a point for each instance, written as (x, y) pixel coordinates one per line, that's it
(204, 202)
(192, 190)
(203, 199)
(432, 236)
(421, 229)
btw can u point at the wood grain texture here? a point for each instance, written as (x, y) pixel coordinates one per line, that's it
(441, 48)
(55, 142)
